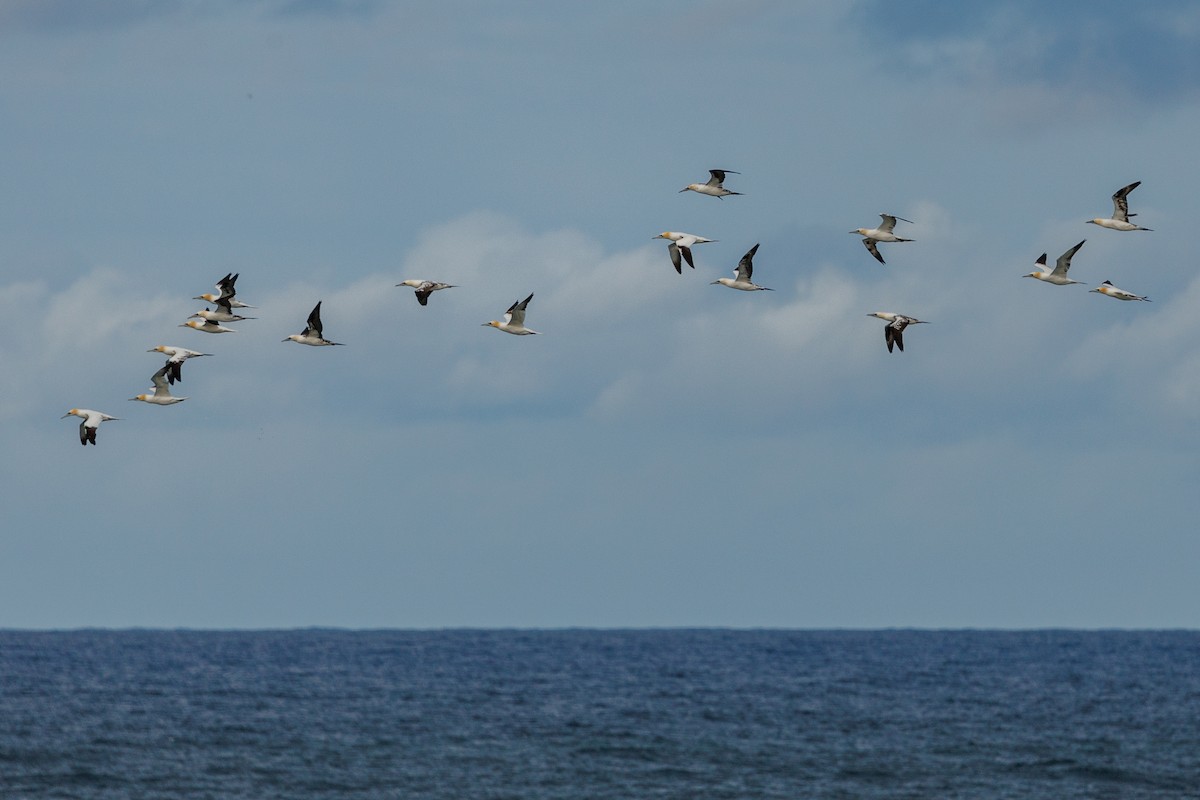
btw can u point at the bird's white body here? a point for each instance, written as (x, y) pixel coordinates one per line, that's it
(162, 394)
(313, 334)
(91, 421)
(714, 186)
(514, 319)
(424, 288)
(742, 275)
(893, 332)
(212, 298)
(1120, 218)
(1109, 290)
(222, 314)
(884, 233)
(1058, 275)
(206, 326)
(681, 247)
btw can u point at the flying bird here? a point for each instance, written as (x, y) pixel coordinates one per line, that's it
(681, 245)
(745, 269)
(175, 358)
(314, 332)
(227, 292)
(881, 234)
(162, 395)
(91, 421)
(223, 312)
(713, 187)
(205, 326)
(1057, 276)
(893, 332)
(1120, 218)
(514, 319)
(1109, 290)
(425, 288)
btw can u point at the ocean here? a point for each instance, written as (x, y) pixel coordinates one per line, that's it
(630, 714)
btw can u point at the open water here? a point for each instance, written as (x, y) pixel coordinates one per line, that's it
(599, 714)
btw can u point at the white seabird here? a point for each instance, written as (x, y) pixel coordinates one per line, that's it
(425, 288)
(314, 332)
(91, 421)
(881, 234)
(1057, 276)
(681, 245)
(514, 319)
(162, 395)
(175, 358)
(893, 332)
(1108, 289)
(226, 287)
(1120, 218)
(745, 269)
(222, 313)
(713, 187)
(206, 326)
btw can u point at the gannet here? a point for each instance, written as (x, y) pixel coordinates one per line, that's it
(681, 243)
(175, 358)
(226, 287)
(425, 288)
(893, 332)
(713, 187)
(1107, 288)
(206, 326)
(91, 421)
(162, 395)
(1058, 276)
(1120, 218)
(514, 319)
(745, 269)
(881, 234)
(222, 313)
(313, 333)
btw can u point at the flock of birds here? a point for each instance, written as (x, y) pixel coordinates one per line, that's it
(680, 250)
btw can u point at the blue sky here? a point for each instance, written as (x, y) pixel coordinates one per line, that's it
(668, 452)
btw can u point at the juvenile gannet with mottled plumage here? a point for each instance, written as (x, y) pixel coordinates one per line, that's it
(881, 234)
(314, 332)
(681, 245)
(1108, 289)
(1120, 218)
(514, 319)
(1057, 276)
(893, 332)
(162, 395)
(91, 421)
(206, 326)
(175, 358)
(745, 269)
(714, 187)
(425, 288)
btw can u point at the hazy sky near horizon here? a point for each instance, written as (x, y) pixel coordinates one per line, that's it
(668, 452)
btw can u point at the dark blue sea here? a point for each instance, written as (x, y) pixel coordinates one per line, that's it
(689, 714)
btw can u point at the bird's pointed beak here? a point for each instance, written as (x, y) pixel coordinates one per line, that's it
(64, 416)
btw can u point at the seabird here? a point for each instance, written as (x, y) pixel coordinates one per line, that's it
(1120, 218)
(745, 269)
(425, 288)
(681, 244)
(881, 234)
(893, 332)
(514, 319)
(226, 287)
(91, 421)
(1107, 288)
(713, 187)
(162, 395)
(206, 326)
(1058, 276)
(223, 312)
(313, 332)
(175, 358)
